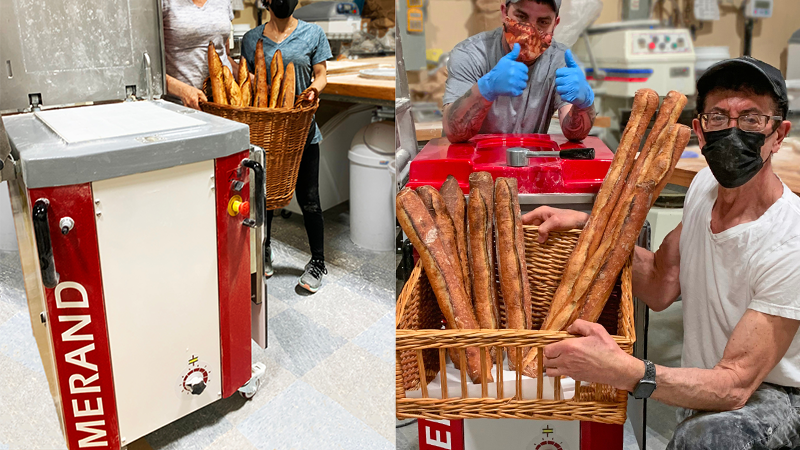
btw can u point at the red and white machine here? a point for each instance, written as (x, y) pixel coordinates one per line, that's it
(565, 183)
(541, 181)
(134, 223)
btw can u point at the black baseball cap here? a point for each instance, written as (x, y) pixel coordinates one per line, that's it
(756, 73)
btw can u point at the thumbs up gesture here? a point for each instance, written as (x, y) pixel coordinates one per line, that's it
(507, 77)
(571, 83)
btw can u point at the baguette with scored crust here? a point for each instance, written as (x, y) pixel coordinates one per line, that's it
(287, 90)
(648, 189)
(483, 182)
(645, 103)
(215, 76)
(440, 267)
(484, 289)
(511, 264)
(276, 78)
(261, 99)
(231, 87)
(247, 93)
(456, 206)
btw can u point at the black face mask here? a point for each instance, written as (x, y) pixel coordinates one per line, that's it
(733, 155)
(282, 8)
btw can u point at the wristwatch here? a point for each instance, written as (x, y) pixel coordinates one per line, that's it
(645, 387)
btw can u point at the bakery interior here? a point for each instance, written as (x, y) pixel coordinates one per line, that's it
(672, 42)
(292, 348)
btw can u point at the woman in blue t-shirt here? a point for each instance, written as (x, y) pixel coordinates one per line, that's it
(306, 46)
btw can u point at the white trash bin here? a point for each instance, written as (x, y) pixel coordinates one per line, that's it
(372, 187)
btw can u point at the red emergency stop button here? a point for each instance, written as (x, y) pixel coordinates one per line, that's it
(237, 206)
(651, 46)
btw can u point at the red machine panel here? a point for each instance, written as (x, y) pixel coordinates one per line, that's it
(77, 320)
(439, 434)
(232, 188)
(487, 153)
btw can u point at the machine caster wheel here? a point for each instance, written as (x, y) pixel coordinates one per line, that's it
(286, 213)
(251, 387)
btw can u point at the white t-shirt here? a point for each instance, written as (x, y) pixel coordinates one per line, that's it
(187, 30)
(755, 265)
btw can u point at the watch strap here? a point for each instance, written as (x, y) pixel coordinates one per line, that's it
(649, 371)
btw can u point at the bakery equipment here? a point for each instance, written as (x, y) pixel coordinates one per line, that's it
(510, 434)
(639, 54)
(339, 20)
(627, 56)
(134, 222)
(542, 181)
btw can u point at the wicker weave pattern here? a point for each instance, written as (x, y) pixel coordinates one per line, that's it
(282, 133)
(421, 346)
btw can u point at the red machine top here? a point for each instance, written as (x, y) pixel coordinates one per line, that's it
(487, 152)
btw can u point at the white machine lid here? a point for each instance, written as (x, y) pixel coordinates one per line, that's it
(113, 120)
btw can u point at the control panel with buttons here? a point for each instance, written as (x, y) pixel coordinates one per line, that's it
(659, 42)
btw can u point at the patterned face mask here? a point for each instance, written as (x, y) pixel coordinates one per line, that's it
(532, 42)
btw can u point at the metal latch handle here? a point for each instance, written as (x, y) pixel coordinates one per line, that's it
(260, 189)
(41, 229)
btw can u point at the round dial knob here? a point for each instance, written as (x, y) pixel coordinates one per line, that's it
(195, 383)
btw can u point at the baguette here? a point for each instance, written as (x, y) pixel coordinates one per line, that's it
(668, 114)
(645, 103)
(483, 182)
(440, 268)
(437, 208)
(611, 235)
(456, 206)
(484, 289)
(276, 78)
(511, 264)
(247, 93)
(288, 88)
(684, 135)
(646, 191)
(261, 99)
(231, 88)
(215, 76)
(244, 75)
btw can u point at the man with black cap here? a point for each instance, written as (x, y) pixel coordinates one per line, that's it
(512, 79)
(735, 260)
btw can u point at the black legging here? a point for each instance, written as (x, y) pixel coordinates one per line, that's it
(307, 194)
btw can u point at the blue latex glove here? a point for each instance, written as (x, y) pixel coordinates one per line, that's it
(571, 84)
(508, 77)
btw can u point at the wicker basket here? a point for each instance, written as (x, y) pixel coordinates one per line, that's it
(282, 133)
(421, 346)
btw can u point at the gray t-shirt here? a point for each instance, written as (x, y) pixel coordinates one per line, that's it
(187, 31)
(305, 47)
(530, 112)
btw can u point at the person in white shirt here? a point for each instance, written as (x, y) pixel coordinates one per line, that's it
(735, 261)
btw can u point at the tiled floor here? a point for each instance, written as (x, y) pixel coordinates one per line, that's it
(330, 361)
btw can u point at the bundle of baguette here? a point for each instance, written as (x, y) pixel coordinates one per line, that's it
(455, 241)
(226, 90)
(630, 188)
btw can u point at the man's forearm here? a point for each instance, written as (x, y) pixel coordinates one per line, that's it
(716, 389)
(577, 122)
(464, 117)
